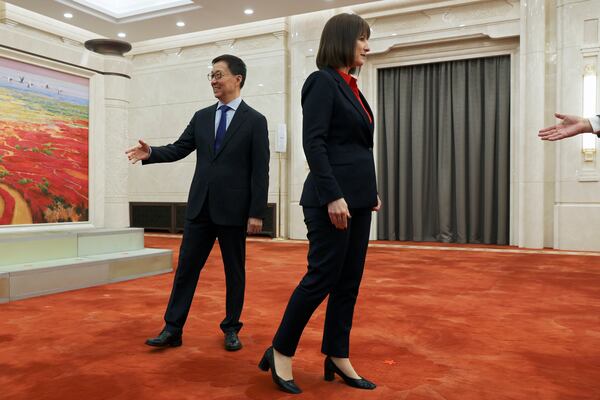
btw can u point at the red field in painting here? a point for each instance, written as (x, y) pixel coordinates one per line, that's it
(43, 160)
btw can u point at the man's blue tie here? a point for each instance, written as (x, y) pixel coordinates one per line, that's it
(222, 127)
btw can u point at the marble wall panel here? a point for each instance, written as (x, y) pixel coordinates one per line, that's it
(577, 203)
(157, 181)
(183, 85)
(572, 15)
(573, 191)
(297, 228)
(265, 76)
(145, 90)
(578, 225)
(272, 106)
(145, 122)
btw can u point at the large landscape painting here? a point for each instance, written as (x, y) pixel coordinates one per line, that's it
(43, 145)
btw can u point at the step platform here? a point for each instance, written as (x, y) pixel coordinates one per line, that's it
(39, 263)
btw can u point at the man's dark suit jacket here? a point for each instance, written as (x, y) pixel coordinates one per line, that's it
(338, 143)
(236, 178)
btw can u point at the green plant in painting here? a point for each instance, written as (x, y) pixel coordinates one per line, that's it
(44, 186)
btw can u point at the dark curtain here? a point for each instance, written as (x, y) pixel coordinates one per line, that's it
(443, 151)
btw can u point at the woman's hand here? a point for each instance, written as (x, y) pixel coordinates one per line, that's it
(378, 206)
(339, 213)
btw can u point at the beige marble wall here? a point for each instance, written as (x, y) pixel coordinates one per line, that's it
(304, 34)
(535, 194)
(169, 84)
(576, 182)
(116, 98)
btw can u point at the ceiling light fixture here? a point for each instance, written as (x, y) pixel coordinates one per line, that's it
(180, 24)
(121, 34)
(119, 9)
(68, 15)
(248, 11)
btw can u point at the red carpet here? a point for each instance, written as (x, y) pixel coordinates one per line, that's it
(429, 324)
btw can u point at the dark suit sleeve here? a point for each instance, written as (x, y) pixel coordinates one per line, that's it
(317, 108)
(181, 148)
(259, 179)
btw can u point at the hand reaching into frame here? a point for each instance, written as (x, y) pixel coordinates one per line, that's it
(570, 125)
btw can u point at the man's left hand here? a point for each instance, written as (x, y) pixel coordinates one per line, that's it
(254, 225)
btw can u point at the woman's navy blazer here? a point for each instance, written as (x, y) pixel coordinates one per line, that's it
(338, 143)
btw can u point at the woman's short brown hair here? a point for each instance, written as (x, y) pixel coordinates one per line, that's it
(338, 40)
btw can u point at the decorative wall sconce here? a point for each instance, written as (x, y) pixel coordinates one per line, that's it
(588, 140)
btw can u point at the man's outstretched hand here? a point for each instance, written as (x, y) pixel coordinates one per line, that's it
(570, 125)
(139, 152)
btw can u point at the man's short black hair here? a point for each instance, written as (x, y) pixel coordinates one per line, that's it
(235, 65)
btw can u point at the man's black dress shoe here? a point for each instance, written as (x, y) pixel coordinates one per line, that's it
(331, 368)
(266, 363)
(165, 339)
(232, 341)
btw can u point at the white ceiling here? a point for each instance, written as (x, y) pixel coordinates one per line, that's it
(119, 9)
(143, 19)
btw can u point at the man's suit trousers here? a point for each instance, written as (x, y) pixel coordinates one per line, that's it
(198, 239)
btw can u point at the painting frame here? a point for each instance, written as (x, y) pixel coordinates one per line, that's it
(90, 77)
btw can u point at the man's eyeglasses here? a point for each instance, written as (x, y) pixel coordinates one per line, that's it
(216, 75)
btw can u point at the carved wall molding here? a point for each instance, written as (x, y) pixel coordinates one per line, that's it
(218, 35)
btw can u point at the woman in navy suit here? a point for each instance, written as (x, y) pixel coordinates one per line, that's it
(338, 196)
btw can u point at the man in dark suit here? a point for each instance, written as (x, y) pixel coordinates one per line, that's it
(227, 198)
(570, 125)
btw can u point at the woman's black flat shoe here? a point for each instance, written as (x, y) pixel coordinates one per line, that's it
(268, 362)
(331, 369)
